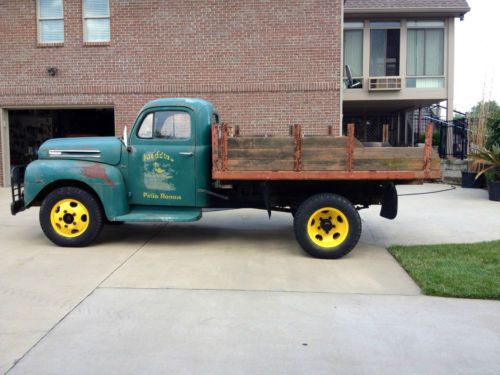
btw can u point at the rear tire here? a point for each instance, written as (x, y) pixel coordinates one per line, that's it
(71, 216)
(327, 226)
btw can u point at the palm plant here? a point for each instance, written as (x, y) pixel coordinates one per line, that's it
(487, 160)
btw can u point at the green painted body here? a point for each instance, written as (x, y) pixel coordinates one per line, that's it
(152, 180)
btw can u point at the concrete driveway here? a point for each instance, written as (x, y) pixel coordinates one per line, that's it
(233, 293)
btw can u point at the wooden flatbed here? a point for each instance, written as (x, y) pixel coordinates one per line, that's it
(318, 158)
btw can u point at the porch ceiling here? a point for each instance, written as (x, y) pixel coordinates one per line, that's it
(351, 108)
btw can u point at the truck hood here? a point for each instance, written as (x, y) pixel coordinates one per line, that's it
(98, 149)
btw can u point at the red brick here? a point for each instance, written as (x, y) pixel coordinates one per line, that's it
(264, 64)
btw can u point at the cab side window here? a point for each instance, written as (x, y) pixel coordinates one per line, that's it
(146, 129)
(166, 125)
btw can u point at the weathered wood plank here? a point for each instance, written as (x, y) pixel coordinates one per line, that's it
(330, 165)
(388, 153)
(272, 142)
(435, 164)
(323, 154)
(261, 153)
(334, 165)
(388, 164)
(260, 165)
(328, 142)
(260, 142)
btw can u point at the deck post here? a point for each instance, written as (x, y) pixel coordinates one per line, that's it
(350, 146)
(385, 133)
(224, 146)
(215, 148)
(297, 138)
(428, 150)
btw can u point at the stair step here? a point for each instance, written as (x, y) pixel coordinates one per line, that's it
(160, 214)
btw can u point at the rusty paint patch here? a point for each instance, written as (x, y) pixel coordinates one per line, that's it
(97, 171)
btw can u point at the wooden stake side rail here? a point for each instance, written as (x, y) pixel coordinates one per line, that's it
(298, 158)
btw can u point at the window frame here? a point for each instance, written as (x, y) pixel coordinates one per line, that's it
(425, 25)
(84, 19)
(162, 139)
(386, 38)
(356, 26)
(39, 21)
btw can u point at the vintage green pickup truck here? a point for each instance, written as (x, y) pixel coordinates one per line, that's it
(179, 159)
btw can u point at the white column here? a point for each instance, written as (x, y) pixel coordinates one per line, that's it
(4, 130)
(450, 81)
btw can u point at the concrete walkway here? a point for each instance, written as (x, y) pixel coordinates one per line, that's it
(234, 293)
(453, 216)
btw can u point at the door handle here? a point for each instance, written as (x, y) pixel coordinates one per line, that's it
(186, 153)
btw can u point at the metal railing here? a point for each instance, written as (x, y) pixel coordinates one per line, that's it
(452, 136)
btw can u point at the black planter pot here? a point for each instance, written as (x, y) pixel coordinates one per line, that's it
(469, 180)
(494, 190)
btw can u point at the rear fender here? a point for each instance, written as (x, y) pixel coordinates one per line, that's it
(105, 180)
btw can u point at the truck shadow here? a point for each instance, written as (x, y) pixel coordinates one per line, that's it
(207, 235)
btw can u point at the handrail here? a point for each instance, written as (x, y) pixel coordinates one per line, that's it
(443, 107)
(447, 123)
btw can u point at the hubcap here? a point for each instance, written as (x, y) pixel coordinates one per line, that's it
(69, 218)
(327, 227)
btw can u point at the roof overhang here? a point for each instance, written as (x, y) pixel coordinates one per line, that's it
(405, 12)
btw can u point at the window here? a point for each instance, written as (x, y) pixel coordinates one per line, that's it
(50, 21)
(353, 47)
(146, 129)
(166, 125)
(384, 49)
(425, 54)
(96, 21)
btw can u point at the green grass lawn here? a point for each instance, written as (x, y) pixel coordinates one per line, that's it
(461, 270)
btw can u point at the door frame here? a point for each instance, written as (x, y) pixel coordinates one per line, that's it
(5, 134)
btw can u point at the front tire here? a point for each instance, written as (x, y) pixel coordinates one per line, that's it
(71, 217)
(327, 226)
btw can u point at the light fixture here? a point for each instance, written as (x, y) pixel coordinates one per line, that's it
(52, 71)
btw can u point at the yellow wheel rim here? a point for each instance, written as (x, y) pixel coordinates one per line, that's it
(327, 227)
(69, 218)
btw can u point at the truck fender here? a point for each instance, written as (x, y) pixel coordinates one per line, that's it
(106, 181)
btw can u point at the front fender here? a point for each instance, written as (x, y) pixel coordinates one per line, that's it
(106, 181)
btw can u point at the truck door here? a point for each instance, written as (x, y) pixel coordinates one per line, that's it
(161, 160)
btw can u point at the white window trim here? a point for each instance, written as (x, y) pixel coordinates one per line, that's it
(38, 23)
(84, 18)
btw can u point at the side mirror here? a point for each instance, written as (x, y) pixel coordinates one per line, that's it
(125, 137)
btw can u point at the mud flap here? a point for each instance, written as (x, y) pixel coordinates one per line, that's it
(389, 208)
(266, 195)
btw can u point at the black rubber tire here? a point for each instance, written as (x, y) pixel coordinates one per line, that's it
(96, 217)
(316, 202)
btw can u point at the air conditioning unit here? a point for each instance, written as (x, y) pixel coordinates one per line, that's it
(384, 83)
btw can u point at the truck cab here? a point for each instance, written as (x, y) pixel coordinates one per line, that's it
(160, 171)
(166, 162)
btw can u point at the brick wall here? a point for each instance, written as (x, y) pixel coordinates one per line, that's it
(265, 64)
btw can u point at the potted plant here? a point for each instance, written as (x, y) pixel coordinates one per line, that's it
(488, 162)
(470, 178)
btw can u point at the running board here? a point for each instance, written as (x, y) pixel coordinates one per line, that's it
(151, 214)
